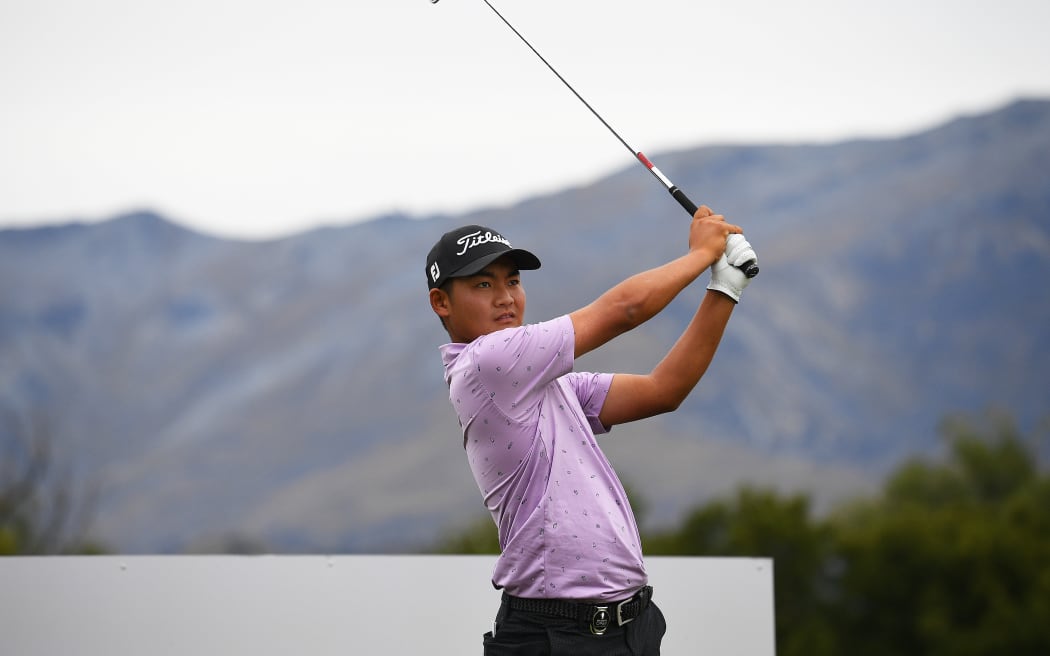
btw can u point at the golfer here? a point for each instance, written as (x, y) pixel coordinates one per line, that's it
(571, 566)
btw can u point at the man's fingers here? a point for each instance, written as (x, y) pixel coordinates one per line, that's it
(703, 212)
(734, 229)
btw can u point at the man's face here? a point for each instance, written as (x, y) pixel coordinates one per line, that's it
(490, 300)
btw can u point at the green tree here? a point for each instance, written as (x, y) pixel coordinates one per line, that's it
(760, 523)
(953, 558)
(39, 511)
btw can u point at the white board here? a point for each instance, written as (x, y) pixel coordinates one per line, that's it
(259, 605)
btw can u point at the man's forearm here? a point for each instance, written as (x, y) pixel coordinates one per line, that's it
(640, 297)
(644, 295)
(687, 361)
(632, 397)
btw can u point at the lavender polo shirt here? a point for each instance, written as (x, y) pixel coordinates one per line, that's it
(566, 529)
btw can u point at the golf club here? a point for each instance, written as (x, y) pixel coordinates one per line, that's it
(750, 268)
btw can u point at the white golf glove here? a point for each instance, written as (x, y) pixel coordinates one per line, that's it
(725, 276)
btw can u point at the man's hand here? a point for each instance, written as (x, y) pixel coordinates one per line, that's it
(725, 276)
(708, 233)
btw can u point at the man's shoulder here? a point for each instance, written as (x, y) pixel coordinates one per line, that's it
(536, 335)
(510, 343)
(450, 353)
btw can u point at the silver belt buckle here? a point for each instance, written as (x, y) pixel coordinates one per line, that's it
(619, 612)
(600, 620)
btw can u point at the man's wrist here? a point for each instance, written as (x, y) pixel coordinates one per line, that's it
(725, 291)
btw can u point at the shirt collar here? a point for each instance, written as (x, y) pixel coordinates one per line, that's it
(449, 353)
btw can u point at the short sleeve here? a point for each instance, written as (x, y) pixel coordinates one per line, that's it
(592, 390)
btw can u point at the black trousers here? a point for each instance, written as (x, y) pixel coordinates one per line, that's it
(519, 633)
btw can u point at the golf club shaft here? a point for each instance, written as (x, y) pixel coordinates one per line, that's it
(750, 268)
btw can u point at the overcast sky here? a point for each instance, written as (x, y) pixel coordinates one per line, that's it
(262, 118)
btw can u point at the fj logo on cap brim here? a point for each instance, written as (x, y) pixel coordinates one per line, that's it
(435, 272)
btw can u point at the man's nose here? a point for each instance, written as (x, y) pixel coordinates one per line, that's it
(504, 296)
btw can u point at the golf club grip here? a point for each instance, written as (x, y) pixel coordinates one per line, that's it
(750, 268)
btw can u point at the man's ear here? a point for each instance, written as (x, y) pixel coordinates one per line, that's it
(440, 303)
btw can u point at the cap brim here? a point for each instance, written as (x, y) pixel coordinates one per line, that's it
(525, 260)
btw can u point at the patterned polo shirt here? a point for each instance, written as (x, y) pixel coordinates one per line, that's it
(566, 529)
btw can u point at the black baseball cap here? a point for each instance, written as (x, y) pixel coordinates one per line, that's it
(467, 250)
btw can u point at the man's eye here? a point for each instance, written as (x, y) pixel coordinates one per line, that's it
(484, 283)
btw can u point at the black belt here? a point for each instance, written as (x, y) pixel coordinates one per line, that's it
(596, 616)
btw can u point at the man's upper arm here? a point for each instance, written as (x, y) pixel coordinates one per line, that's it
(595, 325)
(632, 397)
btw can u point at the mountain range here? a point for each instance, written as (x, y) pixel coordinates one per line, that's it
(289, 392)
